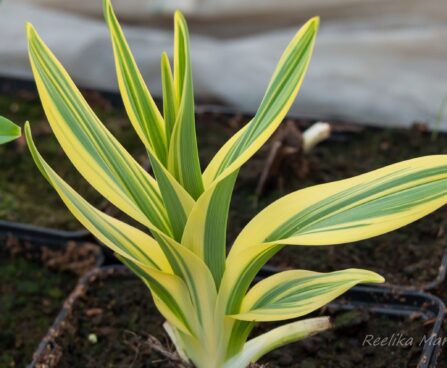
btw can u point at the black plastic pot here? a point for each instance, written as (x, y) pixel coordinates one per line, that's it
(42, 234)
(401, 303)
(394, 303)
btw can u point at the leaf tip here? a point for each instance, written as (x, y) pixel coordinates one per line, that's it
(179, 18)
(315, 22)
(379, 279)
(178, 15)
(27, 129)
(30, 31)
(164, 57)
(372, 277)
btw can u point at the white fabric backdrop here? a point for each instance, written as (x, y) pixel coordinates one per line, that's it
(376, 61)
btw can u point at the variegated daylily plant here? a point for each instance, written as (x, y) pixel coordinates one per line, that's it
(205, 294)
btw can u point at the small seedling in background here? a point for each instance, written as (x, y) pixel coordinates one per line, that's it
(8, 131)
(205, 294)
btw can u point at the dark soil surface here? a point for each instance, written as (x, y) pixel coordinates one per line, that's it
(34, 281)
(110, 324)
(410, 256)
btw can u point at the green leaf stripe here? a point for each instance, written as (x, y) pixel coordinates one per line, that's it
(142, 110)
(384, 196)
(149, 124)
(192, 271)
(297, 293)
(104, 227)
(294, 293)
(247, 274)
(159, 291)
(276, 98)
(183, 160)
(170, 102)
(215, 240)
(173, 205)
(108, 160)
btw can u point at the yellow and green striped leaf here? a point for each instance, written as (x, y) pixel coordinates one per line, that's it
(352, 209)
(177, 201)
(295, 293)
(123, 239)
(183, 160)
(206, 228)
(137, 250)
(196, 275)
(274, 339)
(97, 155)
(8, 130)
(149, 124)
(170, 295)
(280, 94)
(170, 102)
(140, 106)
(204, 232)
(240, 270)
(345, 211)
(200, 284)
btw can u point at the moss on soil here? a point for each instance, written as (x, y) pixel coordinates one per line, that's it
(120, 314)
(35, 278)
(30, 298)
